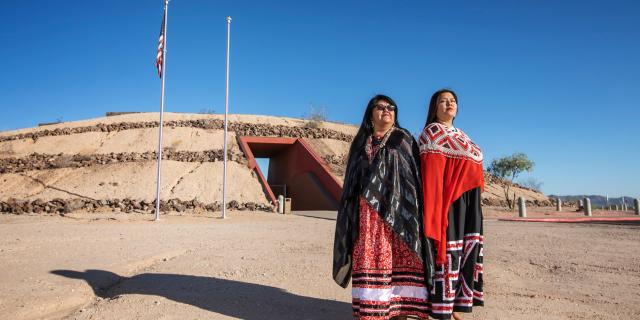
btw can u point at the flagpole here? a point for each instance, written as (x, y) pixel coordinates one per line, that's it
(226, 111)
(164, 61)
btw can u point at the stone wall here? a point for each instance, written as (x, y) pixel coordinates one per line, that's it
(240, 128)
(62, 206)
(38, 161)
(503, 203)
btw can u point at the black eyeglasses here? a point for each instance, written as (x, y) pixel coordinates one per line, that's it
(388, 108)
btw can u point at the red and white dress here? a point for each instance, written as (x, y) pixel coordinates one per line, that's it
(452, 180)
(387, 276)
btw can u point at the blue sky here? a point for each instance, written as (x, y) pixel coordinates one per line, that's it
(557, 80)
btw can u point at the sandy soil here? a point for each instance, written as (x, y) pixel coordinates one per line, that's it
(181, 180)
(325, 147)
(135, 180)
(495, 191)
(269, 266)
(134, 140)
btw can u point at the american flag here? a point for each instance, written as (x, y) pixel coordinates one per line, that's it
(160, 54)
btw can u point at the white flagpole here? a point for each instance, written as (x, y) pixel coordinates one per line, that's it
(164, 74)
(226, 111)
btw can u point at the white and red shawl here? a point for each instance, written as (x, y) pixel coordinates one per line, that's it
(451, 164)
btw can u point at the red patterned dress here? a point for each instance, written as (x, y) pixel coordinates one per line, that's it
(387, 277)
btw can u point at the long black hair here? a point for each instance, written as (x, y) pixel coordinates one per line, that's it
(366, 127)
(432, 116)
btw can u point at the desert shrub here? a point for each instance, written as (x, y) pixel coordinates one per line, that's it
(316, 116)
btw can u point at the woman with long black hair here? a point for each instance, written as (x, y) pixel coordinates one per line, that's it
(452, 180)
(379, 238)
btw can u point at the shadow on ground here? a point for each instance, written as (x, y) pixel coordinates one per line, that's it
(324, 215)
(616, 223)
(228, 297)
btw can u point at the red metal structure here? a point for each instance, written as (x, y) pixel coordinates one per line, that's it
(293, 163)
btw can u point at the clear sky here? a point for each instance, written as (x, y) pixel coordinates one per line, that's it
(557, 80)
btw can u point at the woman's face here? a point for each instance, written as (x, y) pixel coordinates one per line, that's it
(447, 107)
(384, 114)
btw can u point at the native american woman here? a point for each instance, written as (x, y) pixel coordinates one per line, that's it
(379, 239)
(452, 181)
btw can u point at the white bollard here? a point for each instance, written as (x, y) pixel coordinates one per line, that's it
(281, 204)
(559, 205)
(587, 207)
(522, 207)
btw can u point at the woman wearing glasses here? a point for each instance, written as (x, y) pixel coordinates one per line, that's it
(379, 240)
(452, 181)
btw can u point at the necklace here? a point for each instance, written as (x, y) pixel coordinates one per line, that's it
(369, 146)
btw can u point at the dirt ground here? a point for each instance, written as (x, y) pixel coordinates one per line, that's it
(269, 266)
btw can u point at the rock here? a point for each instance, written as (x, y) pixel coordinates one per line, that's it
(72, 205)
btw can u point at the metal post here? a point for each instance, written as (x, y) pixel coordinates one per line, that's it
(587, 207)
(522, 207)
(636, 204)
(559, 205)
(164, 74)
(226, 111)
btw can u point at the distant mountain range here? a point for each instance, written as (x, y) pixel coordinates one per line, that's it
(597, 200)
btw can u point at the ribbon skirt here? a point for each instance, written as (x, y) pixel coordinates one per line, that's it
(458, 282)
(387, 277)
